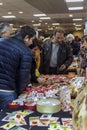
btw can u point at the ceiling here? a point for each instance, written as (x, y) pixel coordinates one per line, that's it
(57, 10)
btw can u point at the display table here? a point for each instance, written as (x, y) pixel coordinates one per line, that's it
(60, 114)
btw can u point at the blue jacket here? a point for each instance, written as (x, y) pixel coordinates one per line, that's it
(15, 64)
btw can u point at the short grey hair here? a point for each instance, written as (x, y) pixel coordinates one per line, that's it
(4, 27)
(70, 36)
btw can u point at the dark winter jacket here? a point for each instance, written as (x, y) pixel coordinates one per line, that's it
(64, 56)
(75, 47)
(15, 64)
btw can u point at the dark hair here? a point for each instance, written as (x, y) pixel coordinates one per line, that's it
(27, 30)
(60, 30)
(36, 43)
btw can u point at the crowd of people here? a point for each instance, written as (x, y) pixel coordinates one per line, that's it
(23, 57)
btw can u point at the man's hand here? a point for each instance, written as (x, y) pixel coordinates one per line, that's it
(63, 67)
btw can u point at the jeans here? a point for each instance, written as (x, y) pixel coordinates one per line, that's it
(5, 98)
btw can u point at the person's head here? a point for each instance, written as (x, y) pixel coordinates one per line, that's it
(58, 35)
(5, 30)
(35, 45)
(70, 38)
(28, 34)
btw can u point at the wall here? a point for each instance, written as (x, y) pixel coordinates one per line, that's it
(79, 33)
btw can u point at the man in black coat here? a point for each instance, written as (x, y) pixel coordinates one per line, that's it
(56, 55)
(15, 64)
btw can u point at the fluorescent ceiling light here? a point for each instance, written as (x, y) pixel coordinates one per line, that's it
(9, 16)
(33, 21)
(9, 12)
(14, 29)
(45, 18)
(20, 12)
(39, 29)
(70, 15)
(78, 25)
(78, 28)
(11, 24)
(1, 3)
(74, 23)
(75, 8)
(35, 25)
(39, 15)
(79, 19)
(74, 0)
(50, 28)
(55, 24)
(40, 20)
(21, 26)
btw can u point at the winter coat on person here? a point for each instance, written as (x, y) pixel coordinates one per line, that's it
(64, 56)
(15, 64)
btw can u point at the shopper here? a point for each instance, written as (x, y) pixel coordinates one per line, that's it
(15, 64)
(56, 55)
(74, 45)
(5, 30)
(35, 47)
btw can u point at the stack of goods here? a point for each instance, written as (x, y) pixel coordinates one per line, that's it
(83, 59)
(74, 66)
(53, 122)
(77, 85)
(51, 86)
(73, 82)
(15, 120)
(80, 111)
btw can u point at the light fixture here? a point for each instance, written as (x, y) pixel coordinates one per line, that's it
(39, 29)
(20, 12)
(45, 18)
(55, 24)
(9, 16)
(79, 19)
(40, 20)
(76, 8)
(1, 3)
(78, 29)
(39, 15)
(11, 24)
(9, 12)
(70, 15)
(21, 26)
(74, 0)
(35, 25)
(33, 21)
(14, 29)
(74, 23)
(78, 25)
(46, 23)
(50, 28)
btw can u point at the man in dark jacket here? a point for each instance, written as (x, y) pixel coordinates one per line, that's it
(15, 64)
(56, 55)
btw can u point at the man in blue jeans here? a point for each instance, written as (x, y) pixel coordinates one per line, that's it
(15, 64)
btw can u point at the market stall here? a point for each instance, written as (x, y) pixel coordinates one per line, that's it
(46, 106)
